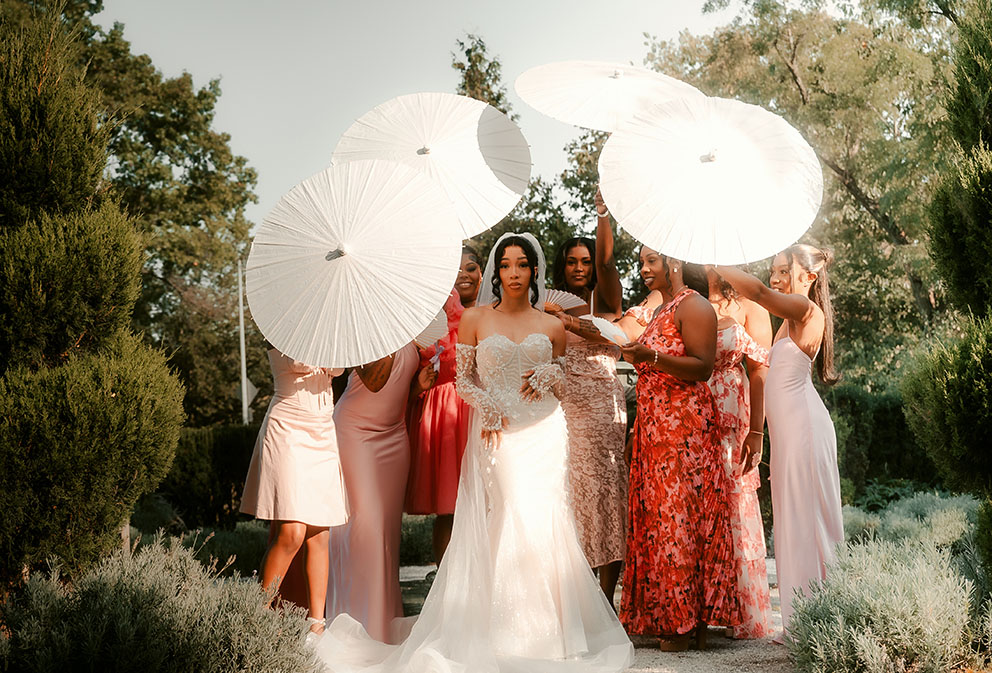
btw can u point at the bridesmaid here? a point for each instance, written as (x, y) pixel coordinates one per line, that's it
(438, 418)
(679, 560)
(375, 457)
(594, 403)
(805, 482)
(294, 479)
(744, 331)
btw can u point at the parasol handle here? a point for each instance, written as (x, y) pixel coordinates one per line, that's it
(424, 150)
(709, 157)
(335, 254)
(617, 74)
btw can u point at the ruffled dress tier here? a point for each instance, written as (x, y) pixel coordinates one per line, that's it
(295, 471)
(730, 388)
(680, 568)
(438, 425)
(808, 522)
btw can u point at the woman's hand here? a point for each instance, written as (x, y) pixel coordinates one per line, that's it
(636, 353)
(527, 392)
(492, 438)
(751, 453)
(601, 209)
(424, 380)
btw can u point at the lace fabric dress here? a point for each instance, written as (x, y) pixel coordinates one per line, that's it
(679, 568)
(596, 412)
(514, 592)
(729, 385)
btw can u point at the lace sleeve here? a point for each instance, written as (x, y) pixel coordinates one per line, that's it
(484, 403)
(549, 378)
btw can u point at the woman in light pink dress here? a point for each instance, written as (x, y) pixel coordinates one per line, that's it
(295, 479)
(743, 332)
(805, 482)
(375, 457)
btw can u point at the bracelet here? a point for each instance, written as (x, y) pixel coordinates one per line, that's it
(599, 214)
(760, 433)
(655, 359)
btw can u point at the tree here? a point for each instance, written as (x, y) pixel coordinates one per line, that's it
(864, 89)
(187, 192)
(89, 415)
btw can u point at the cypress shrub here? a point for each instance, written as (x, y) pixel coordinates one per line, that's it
(67, 284)
(208, 474)
(53, 149)
(79, 444)
(158, 609)
(89, 417)
(948, 396)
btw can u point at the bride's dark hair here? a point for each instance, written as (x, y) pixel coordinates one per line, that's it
(529, 252)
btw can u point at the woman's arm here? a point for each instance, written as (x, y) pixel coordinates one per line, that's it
(375, 374)
(788, 306)
(608, 291)
(698, 326)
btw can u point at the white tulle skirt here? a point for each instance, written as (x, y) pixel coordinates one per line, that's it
(514, 593)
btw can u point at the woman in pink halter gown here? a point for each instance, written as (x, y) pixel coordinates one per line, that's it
(805, 482)
(375, 459)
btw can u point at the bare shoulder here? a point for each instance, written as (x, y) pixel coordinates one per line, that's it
(697, 306)
(468, 326)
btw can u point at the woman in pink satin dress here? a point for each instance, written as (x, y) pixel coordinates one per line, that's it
(295, 479)
(744, 332)
(375, 457)
(805, 482)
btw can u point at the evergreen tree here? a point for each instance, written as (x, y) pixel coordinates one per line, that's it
(89, 416)
(949, 393)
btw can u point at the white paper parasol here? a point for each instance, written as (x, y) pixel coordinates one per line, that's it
(352, 263)
(596, 94)
(473, 151)
(436, 330)
(711, 180)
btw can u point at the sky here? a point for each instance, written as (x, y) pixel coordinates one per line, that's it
(295, 74)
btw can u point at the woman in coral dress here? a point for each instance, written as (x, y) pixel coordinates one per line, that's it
(744, 331)
(679, 563)
(594, 402)
(438, 418)
(294, 479)
(375, 457)
(805, 482)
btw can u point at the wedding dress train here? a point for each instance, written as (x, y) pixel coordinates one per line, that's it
(514, 593)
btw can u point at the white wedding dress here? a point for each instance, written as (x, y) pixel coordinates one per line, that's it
(514, 593)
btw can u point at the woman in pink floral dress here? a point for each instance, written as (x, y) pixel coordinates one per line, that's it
(679, 572)
(743, 331)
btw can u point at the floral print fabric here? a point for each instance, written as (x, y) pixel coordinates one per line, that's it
(680, 565)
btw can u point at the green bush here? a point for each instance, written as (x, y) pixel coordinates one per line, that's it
(237, 551)
(416, 540)
(948, 394)
(923, 519)
(208, 474)
(874, 443)
(53, 149)
(67, 285)
(156, 610)
(79, 444)
(884, 607)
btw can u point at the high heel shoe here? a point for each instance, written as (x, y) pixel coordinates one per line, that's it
(699, 637)
(674, 643)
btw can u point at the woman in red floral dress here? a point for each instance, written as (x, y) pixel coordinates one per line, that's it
(679, 570)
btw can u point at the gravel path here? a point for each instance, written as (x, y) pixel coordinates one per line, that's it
(722, 655)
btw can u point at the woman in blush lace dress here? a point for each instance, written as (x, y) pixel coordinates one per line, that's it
(438, 418)
(294, 480)
(679, 566)
(805, 481)
(594, 402)
(375, 456)
(514, 593)
(744, 332)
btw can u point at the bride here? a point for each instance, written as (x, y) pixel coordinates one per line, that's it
(514, 593)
